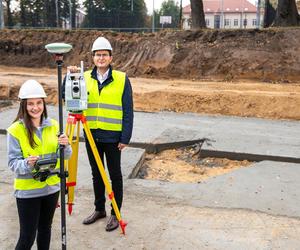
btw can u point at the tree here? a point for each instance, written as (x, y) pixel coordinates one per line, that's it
(286, 14)
(169, 8)
(269, 14)
(198, 19)
(37, 13)
(42, 13)
(115, 14)
(8, 14)
(64, 10)
(74, 7)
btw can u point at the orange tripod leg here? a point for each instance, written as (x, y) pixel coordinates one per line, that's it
(103, 174)
(72, 163)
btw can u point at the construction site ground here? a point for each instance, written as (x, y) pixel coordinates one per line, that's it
(254, 207)
(246, 98)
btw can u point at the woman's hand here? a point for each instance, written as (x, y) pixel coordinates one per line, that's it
(31, 160)
(63, 140)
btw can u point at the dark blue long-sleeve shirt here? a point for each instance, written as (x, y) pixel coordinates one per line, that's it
(124, 136)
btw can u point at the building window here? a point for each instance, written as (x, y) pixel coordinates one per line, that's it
(254, 22)
(235, 22)
(207, 22)
(217, 22)
(227, 22)
(245, 22)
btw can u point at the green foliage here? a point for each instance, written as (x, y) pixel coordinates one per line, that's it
(30, 13)
(170, 8)
(42, 13)
(115, 14)
(118, 14)
(8, 15)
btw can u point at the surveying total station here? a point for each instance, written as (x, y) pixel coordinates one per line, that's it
(75, 91)
(76, 102)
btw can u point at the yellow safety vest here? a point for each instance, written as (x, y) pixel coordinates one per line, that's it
(45, 148)
(105, 110)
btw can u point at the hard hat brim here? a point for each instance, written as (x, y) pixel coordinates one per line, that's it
(32, 96)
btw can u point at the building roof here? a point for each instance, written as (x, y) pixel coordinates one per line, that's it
(229, 6)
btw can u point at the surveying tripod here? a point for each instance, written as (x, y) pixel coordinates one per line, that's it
(73, 119)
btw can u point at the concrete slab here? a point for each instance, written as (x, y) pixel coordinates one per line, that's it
(257, 206)
(163, 224)
(230, 134)
(269, 187)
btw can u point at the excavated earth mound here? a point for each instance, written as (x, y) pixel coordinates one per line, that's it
(270, 55)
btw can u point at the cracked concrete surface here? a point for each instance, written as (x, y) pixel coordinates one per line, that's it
(251, 208)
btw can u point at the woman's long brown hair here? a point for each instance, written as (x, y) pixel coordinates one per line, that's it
(30, 128)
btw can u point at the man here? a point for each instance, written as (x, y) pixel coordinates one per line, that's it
(110, 119)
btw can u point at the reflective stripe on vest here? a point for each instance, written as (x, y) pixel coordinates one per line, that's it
(105, 110)
(45, 148)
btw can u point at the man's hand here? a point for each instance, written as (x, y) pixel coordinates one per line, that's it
(121, 146)
(73, 69)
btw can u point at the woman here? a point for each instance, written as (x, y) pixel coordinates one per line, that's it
(34, 136)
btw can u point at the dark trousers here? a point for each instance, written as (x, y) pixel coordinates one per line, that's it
(35, 215)
(113, 163)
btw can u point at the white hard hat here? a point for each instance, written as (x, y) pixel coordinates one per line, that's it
(31, 89)
(101, 43)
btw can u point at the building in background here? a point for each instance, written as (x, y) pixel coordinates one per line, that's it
(228, 14)
(80, 15)
(79, 18)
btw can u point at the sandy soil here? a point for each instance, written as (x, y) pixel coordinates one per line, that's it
(248, 99)
(240, 98)
(185, 165)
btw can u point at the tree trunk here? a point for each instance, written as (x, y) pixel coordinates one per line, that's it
(73, 18)
(269, 14)
(9, 15)
(198, 20)
(286, 14)
(23, 16)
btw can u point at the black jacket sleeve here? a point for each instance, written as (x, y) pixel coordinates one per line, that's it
(127, 103)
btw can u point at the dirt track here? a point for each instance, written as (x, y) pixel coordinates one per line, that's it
(247, 98)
